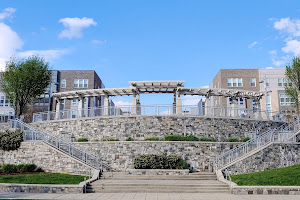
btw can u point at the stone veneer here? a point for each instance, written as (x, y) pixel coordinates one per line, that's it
(4, 126)
(265, 190)
(142, 127)
(44, 156)
(120, 155)
(276, 155)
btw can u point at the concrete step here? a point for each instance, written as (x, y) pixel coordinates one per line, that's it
(158, 186)
(162, 190)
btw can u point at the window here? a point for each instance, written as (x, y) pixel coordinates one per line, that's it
(268, 103)
(74, 113)
(63, 83)
(241, 101)
(81, 83)
(285, 100)
(267, 82)
(234, 82)
(74, 102)
(253, 82)
(280, 81)
(283, 82)
(3, 102)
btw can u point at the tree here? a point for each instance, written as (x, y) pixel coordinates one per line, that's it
(24, 81)
(292, 88)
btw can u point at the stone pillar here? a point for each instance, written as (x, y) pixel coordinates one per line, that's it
(174, 104)
(106, 106)
(57, 109)
(134, 104)
(207, 105)
(80, 107)
(178, 104)
(258, 109)
(234, 106)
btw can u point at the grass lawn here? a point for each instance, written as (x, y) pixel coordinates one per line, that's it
(289, 176)
(42, 178)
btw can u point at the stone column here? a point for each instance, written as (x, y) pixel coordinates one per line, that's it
(57, 109)
(178, 104)
(207, 105)
(258, 109)
(134, 104)
(234, 106)
(106, 105)
(80, 107)
(174, 104)
(138, 105)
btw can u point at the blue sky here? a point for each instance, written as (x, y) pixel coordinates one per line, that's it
(152, 40)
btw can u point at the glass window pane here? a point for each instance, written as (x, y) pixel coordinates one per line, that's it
(80, 83)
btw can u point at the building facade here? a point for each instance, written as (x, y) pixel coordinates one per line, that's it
(271, 82)
(62, 81)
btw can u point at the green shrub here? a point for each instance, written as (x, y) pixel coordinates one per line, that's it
(20, 168)
(29, 167)
(232, 140)
(82, 140)
(11, 140)
(191, 138)
(111, 139)
(9, 168)
(246, 139)
(174, 138)
(96, 140)
(207, 139)
(129, 139)
(161, 161)
(152, 139)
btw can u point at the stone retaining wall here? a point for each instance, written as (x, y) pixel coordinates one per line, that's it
(44, 156)
(40, 188)
(263, 190)
(153, 172)
(4, 126)
(142, 127)
(275, 156)
(120, 155)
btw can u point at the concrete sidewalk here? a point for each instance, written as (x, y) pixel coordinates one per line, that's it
(147, 196)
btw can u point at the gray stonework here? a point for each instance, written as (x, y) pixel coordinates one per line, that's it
(152, 172)
(142, 127)
(120, 155)
(44, 156)
(41, 188)
(4, 126)
(265, 190)
(275, 156)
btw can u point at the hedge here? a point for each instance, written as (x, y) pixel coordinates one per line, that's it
(160, 161)
(11, 140)
(10, 168)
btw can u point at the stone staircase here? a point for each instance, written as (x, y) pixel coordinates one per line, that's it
(119, 182)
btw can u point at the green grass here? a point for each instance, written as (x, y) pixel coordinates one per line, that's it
(288, 176)
(42, 178)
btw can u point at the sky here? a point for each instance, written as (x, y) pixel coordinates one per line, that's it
(134, 40)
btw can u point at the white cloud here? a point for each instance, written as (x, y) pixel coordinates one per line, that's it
(10, 43)
(74, 26)
(292, 46)
(269, 67)
(278, 62)
(7, 13)
(253, 44)
(290, 26)
(49, 55)
(98, 41)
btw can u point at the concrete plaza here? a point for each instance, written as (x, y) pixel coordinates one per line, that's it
(146, 196)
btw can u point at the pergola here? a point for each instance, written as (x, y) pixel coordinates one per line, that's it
(139, 87)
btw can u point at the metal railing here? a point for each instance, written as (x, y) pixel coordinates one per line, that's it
(284, 133)
(5, 118)
(166, 110)
(31, 134)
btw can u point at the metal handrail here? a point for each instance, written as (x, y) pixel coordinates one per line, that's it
(282, 133)
(30, 133)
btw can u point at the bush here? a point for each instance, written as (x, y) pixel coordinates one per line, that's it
(162, 161)
(174, 138)
(207, 139)
(152, 139)
(111, 139)
(246, 139)
(11, 140)
(9, 168)
(130, 139)
(232, 140)
(82, 140)
(191, 138)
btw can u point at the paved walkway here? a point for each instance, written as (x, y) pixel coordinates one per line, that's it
(147, 196)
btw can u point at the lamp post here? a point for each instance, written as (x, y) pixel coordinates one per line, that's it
(266, 94)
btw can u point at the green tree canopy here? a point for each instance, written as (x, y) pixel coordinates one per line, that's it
(24, 81)
(293, 87)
